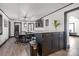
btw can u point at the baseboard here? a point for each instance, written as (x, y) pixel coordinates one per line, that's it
(75, 35)
(4, 43)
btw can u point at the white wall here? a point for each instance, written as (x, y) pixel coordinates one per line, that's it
(59, 15)
(5, 33)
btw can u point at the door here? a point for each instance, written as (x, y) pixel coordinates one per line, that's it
(16, 30)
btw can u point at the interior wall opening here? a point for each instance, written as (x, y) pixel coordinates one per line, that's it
(73, 31)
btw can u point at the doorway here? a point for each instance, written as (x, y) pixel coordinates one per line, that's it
(17, 28)
(71, 27)
(9, 28)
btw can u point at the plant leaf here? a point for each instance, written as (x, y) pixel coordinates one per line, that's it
(56, 24)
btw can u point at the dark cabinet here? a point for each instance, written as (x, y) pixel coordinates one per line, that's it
(61, 41)
(51, 42)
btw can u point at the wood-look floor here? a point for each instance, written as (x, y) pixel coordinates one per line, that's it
(72, 51)
(10, 48)
(74, 46)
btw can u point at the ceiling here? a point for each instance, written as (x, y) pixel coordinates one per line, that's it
(36, 10)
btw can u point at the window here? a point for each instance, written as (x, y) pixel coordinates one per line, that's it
(30, 27)
(71, 27)
(0, 24)
(47, 22)
(39, 23)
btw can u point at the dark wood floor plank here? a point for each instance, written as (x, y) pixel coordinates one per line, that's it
(10, 48)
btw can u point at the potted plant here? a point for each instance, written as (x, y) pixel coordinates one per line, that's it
(56, 24)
